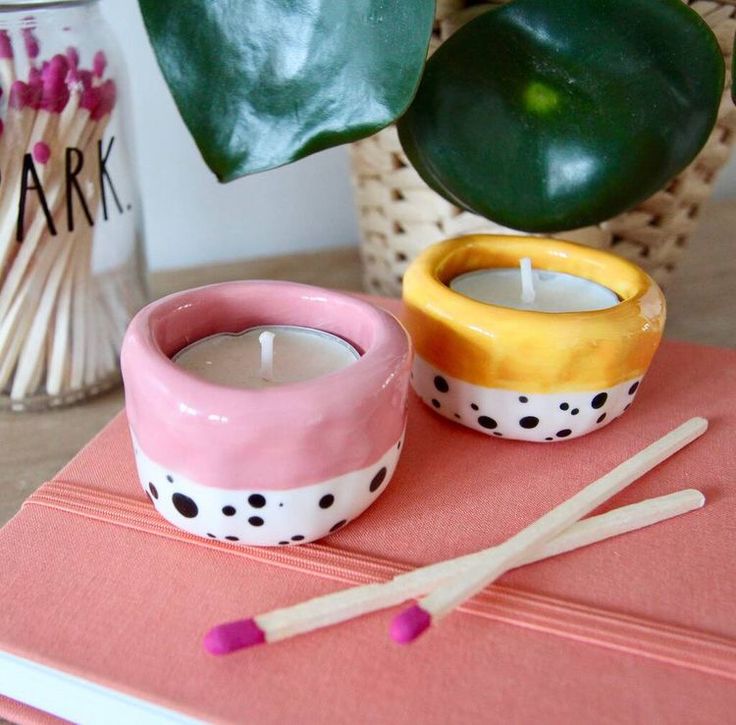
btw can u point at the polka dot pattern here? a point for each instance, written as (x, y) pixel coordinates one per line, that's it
(262, 517)
(599, 401)
(441, 384)
(185, 505)
(257, 501)
(542, 417)
(377, 480)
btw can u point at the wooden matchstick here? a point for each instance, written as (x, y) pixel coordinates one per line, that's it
(412, 622)
(347, 604)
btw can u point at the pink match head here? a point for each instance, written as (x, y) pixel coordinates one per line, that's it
(90, 99)
(6, 47)
(35, 88)
(72, 55)
(55, 89)
(108, 95)
(85, 77)
(99, 63)
(18, 98)
(232, 636)
(41, 152)
(410, 624)
(31, 43)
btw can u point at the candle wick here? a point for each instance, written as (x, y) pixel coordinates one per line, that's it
(266, 340)
(527, 280)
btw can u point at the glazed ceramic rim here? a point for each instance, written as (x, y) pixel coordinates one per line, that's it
(442, 262)
(376, 334)
(495, 346)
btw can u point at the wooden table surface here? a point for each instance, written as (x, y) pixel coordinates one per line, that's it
(33, 446)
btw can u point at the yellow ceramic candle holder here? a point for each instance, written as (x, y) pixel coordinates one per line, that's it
(529, 375)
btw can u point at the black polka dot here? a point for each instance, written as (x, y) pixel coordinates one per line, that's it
(170, 478)
(523, 399)
(154, 491)
(549, 438)
(232, 538)
(283, 543)
(563, 433)
(599, 401)
(435, 402)
(601, 418)
(255, 521)
(487, 422)
(229, 510)
(628, 405)
(281, 504)
(378, 480)
(212, 536)
(326, 501)
(474, 406)
(496, 433)
(529, 421)
(574, 411)
(338, 525)
(298, 537)
(184, 505)
(441, 384)
(398, 446)
(564, 406)
(633, 388)
(256, 500)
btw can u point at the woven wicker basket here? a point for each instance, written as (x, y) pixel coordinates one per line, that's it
(400, 215)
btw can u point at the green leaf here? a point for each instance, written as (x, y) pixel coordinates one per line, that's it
(261, 83)
(549, 115)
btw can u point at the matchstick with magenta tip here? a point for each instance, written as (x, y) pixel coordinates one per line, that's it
(415, 620)
(347, 604)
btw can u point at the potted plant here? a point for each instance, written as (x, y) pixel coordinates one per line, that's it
(542, 116)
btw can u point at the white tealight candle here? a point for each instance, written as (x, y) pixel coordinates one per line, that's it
(267, 356)
(532, 289)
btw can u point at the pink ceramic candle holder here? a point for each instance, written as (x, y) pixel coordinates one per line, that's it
(277, 466)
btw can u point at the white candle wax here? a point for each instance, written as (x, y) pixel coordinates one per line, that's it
(552, 291)
(237, 359)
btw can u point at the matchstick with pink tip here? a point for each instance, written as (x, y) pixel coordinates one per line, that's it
(357, 601)
(413, 622)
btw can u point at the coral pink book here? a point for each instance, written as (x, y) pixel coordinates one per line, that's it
(104, 604)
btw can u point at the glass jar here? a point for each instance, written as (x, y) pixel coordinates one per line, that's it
(71, 261)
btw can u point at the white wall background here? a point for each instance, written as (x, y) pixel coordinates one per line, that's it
(192, 219)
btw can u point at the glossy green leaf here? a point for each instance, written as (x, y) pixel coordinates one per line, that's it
(547, 115)
(260, 83)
